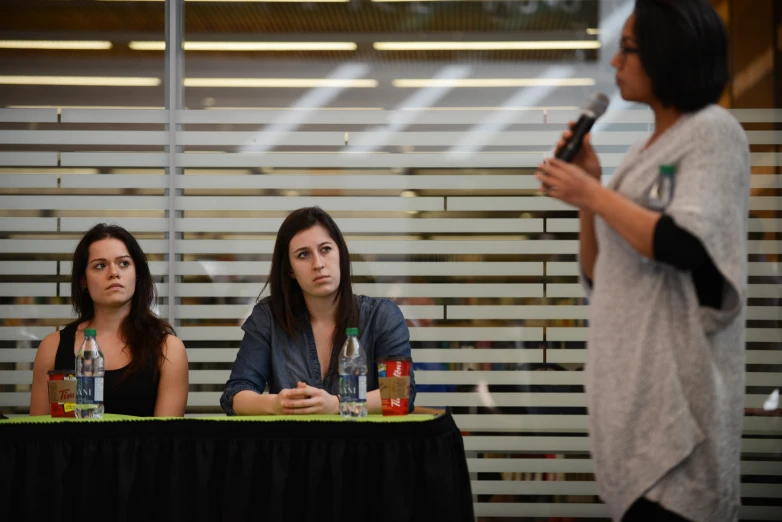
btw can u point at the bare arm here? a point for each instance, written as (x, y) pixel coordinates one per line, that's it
(298, 401)
(44, 361)
(572, 185)
(373, 402)
(633, 222)
(302, 400)
(173, 386)
(587, 244)
(586, 159)
(248, 402)
(319, 401)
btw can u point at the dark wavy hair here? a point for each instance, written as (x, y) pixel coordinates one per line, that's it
(142, 331)
(683, 46)
(287, 299)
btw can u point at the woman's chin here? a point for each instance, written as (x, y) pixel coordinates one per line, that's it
(320, 293)
(112, 303)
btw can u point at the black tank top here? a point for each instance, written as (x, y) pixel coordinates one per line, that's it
(135, 395)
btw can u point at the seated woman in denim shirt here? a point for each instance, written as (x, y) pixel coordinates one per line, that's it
(293, 338)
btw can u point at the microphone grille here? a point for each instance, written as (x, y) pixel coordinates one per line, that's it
(597, 104)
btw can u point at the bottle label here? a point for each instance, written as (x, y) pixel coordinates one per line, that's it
(98, 389)
(352, 388)
(660, 194)
(89, 390)
(362, 387)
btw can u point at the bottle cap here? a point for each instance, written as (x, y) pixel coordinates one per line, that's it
(89, 332)
(352, 331)
(668, 170)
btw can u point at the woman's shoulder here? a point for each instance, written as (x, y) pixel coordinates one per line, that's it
(50, 343)
(174, 348)
(71, 331)
(263, 307)
(264, 304)
(172, 342)
(376, 307)
(717, 123)
(261, 315)
(64, 334)
(363, 301)
(73, 328)
(713, 112)
(49, 347)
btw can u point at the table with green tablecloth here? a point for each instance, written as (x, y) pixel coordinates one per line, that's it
(290, 468)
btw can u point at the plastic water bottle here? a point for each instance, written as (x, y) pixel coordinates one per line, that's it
(90, 369)
(661, 193)
(352, 377)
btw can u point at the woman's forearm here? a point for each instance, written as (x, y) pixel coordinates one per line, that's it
(634, 223)
(587, 244)
(248, 402)
(373, 402)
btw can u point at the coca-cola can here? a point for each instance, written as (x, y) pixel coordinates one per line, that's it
(394, 378)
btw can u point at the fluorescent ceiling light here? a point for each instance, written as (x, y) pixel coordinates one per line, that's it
(270, 46)
(147, 46)
(593, 31)
(494, 82)
(60, 107)
(248, 46)
(502, 108)
(121, 81)
(96, 45)
(309, 109)
(486, 46)
(51, 170)
(279, 82)
(105, 81)
(236, 1)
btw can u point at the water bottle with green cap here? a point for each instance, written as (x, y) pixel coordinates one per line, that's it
(661, 192)
(90, 369)
(352, 377)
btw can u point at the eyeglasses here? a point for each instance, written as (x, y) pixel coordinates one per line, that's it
(624, 51)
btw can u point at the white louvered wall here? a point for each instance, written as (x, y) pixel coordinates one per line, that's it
(483, 266)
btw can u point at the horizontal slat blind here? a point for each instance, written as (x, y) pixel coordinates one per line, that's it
(483, 266)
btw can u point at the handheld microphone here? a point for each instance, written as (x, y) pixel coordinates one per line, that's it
(593, 109)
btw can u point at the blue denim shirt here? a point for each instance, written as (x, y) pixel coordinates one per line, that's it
(268, 355)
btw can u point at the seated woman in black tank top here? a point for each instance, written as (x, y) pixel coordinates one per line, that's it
(112, 291)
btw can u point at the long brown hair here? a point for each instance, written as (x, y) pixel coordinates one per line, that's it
(142, 331)
(287, 299)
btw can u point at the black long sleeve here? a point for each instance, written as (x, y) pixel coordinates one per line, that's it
(677, 247)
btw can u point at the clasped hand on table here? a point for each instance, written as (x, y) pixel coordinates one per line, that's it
(306, 400)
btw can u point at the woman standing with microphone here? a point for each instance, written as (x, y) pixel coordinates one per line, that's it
(663, 257)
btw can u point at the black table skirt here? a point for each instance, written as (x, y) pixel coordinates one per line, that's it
(211, 470)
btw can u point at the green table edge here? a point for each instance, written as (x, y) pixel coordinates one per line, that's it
(46, 419)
